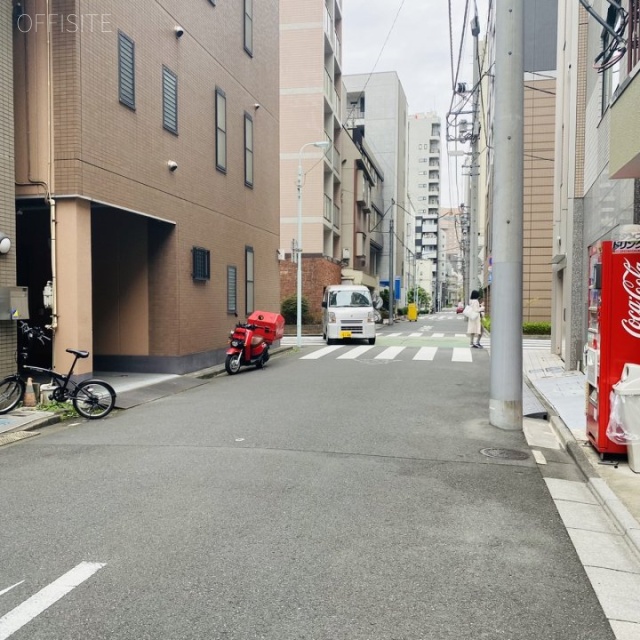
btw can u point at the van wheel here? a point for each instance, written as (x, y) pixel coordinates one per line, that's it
(372, 340)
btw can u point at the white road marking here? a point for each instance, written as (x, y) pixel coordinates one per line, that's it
(539, 457)
(461, 355)
(426, 353)
(39, 602)
(389, 353)
(438, 335)
(321, 352)
(354, 353)
(460, 335)
(393, 335)
(415, 335)
(13, 586)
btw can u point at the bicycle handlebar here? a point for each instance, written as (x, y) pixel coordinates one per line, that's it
(34, 332)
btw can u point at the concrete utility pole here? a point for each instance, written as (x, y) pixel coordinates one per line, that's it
(505, 406)
(391, 283)
(474, 168)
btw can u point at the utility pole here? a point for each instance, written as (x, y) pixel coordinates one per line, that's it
(391, 282)
(505, 405)
(474, 169)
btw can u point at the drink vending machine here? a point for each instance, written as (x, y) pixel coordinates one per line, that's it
(614, 328)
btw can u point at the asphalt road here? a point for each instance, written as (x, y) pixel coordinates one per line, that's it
(316, 499)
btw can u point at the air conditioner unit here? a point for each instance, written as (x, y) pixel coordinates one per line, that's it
(346, 254)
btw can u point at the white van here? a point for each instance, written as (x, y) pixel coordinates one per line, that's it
(347, 312)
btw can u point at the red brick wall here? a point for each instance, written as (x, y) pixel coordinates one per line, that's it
(317, 273)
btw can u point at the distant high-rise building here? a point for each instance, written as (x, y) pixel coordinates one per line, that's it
(423, 187)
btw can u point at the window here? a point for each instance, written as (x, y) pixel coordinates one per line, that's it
(169, 100)
(232, 290)
(248, 26)
(248, 258)
(221, 130)
(248, 150)
(126, 70)
(201, 263)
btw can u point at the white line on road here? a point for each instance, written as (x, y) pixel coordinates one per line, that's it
(321, 352)
(461, 355)
(438, 335)
(415, 335)
(389, 353)
(39, 602)
(426, 353)
(354, 353)
(13, 586)
(539, 457)
(393, 335)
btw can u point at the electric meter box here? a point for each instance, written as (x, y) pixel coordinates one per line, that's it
(14, 303)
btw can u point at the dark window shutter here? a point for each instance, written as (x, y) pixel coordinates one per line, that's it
(126, 71)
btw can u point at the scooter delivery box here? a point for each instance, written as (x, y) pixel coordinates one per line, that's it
(268, 325)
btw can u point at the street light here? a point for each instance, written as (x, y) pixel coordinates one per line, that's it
(322, 145)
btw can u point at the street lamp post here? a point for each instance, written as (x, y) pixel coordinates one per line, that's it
(322, 145)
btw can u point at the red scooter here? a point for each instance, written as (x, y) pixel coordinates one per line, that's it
(249, 342)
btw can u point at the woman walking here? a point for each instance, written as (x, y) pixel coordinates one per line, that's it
(474, 319)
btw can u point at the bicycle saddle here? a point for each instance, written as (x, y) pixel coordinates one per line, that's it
(80, 354)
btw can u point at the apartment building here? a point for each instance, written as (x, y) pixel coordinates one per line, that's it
(362, 209)
(147, 175)
(310, 175)
(7, 197)
(376, 104)
(450, 257)
(423, 187)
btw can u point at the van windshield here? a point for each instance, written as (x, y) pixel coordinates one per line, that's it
(349, 299)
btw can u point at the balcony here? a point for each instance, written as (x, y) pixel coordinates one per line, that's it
(328, 209)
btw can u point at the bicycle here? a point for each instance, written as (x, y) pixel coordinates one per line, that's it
(92, 398)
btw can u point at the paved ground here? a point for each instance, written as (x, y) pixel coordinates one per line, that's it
(600, 508)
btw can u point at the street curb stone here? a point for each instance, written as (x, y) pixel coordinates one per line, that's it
(625, 522)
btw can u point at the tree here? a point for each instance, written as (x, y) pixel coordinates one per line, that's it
(424, 299)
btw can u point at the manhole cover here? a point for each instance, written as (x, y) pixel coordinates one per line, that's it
(504, 454)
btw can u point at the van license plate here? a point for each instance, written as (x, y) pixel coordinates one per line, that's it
(345, 334)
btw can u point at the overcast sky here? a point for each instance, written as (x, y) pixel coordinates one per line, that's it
(418, 48)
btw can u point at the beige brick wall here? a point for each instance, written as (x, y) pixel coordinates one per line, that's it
(539, 153)
(112, 154)
(7, 198)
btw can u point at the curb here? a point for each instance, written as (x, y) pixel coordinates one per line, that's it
(618, 513)
(608, 500)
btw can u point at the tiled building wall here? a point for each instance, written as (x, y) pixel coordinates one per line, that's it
(539, 144)
(110, 153)
(7, 203)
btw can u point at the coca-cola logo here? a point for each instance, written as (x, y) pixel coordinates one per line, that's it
(631, 284)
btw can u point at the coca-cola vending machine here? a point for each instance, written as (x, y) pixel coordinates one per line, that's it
(614, 327)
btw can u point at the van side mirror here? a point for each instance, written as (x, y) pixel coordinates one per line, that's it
(324, 304)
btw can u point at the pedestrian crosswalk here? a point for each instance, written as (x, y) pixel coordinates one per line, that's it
(399, 346)
(394, 353)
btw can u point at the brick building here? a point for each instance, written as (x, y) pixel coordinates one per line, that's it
(147, 175)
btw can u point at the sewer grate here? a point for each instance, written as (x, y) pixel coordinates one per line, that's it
(504, 454)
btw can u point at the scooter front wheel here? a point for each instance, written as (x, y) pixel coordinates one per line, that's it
(232, 363)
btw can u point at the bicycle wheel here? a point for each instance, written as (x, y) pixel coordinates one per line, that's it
(93, 399)
(11, 390)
